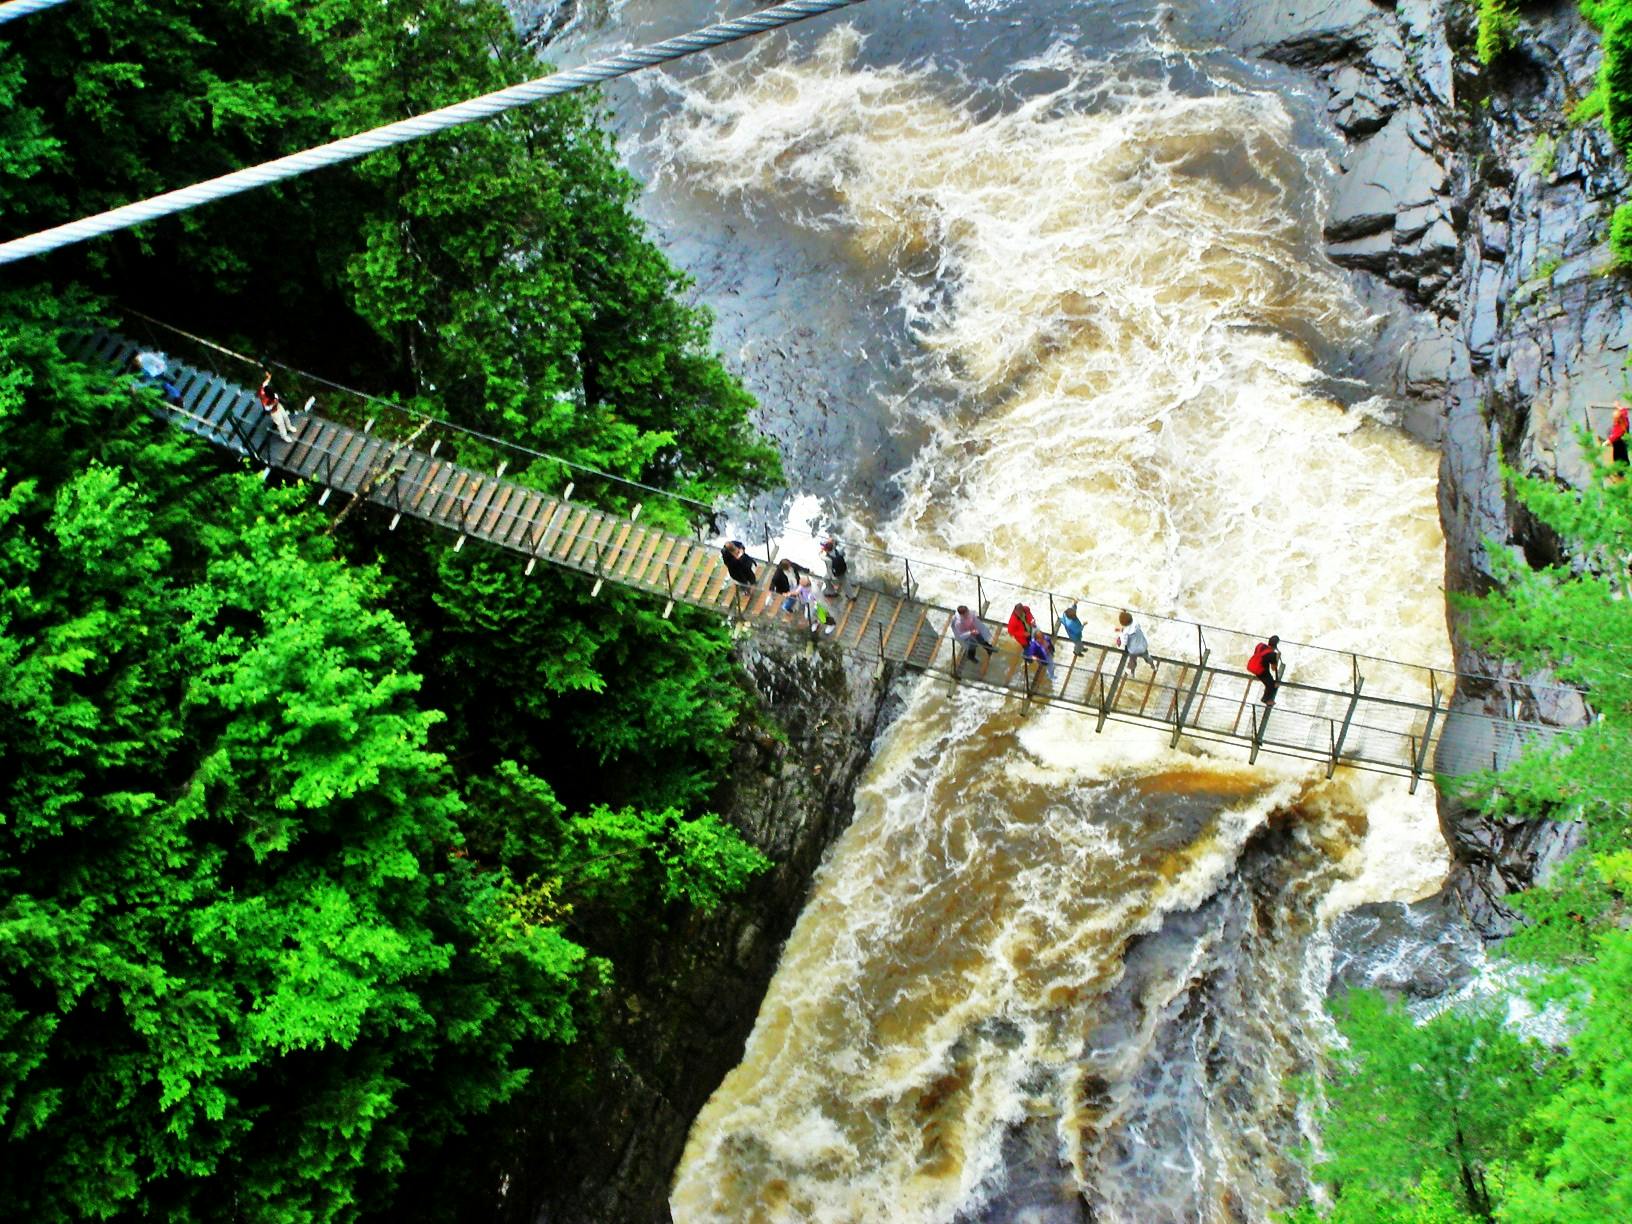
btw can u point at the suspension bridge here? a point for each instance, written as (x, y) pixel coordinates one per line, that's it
(1324, 713)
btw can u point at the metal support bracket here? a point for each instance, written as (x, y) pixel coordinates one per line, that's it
(1343, 732)
(1420, 756)
(1108, 700)
(1190, 697)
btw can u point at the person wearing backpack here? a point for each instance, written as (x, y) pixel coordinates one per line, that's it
(1266, 665)
(838, 570)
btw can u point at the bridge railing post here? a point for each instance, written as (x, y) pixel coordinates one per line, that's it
(1420, 757)
(1338, 736)
(1108, 696)
(980, 598)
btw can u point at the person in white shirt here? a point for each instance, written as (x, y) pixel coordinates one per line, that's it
(1131, 638)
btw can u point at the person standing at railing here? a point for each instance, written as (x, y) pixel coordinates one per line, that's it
(1618, 427)
(1131, 639)
(1266, 665)
(1022, 624)
(1037, 651)
(967, 629)
(805, 600)
(838, 570)
(738, 563)
(272, 404)
(781, 581)
(1072, 624)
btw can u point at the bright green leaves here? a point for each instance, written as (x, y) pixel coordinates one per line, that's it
(1441, 1100)
(1522, 1131)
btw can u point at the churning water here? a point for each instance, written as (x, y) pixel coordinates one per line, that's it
(1048, 974)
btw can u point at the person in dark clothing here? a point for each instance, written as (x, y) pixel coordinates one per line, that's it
(1266, 665)
(738, 563)
(781, 581)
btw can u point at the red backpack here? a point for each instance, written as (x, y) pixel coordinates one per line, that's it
(1256, 664)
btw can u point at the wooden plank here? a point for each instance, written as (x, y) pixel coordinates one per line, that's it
(600, 526)
(563, 530)
(917, 636)
(698, 567)
(493, 512)
(850, 607)
(890, 629)
(339, 446)
(940, 640)
(651, 574)
(354, 468)
(1065, 685)
(442, 508)
(232, 402)
(1246, 692)
(563, 514)
(303, 455)
(535, 508)
(438, 473)
(413, 480)
(614, 551)
(198, 382)
(1149, 685)
(641, 555)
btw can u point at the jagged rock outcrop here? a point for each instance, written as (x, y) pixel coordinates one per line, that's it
(686, 1002)
(1467, 195)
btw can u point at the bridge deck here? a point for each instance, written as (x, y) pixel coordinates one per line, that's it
(1186, 697)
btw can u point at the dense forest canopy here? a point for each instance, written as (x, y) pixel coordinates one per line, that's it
(319, 851)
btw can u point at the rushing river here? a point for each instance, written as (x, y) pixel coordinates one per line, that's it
(1046, 280)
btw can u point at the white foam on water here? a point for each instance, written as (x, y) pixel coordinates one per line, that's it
(1117, 287)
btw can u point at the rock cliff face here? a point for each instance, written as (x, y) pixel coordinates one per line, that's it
(687, 1000)
(1479, 217)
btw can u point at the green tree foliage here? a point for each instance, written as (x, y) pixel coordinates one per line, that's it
(1526, 1133)
(1498, 23)
(1416, 1110)
(236, 951)
(277, 935)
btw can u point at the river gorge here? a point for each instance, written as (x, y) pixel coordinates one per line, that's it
(1200, 309)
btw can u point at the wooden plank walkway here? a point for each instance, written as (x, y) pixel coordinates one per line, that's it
(1185, 697)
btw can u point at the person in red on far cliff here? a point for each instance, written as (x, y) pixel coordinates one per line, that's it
(1617, 433)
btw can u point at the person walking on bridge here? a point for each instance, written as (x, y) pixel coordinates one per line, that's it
(272, 405)
(782, 581)
(967, 629)
(838, 570)
(738, 563)
(1266, 665)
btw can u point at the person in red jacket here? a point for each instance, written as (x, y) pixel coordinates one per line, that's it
(1022, 624)
(1617, 433)
(1266, 665)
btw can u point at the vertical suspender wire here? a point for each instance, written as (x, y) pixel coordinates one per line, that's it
(23, 8)
(364, 143)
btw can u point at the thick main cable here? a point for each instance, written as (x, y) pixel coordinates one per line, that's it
(352, 147)
(14, 9)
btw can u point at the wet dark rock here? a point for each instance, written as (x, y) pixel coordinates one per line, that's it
(1418, 951)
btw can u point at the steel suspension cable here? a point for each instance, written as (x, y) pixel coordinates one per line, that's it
(352, 147)
(14, 9)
